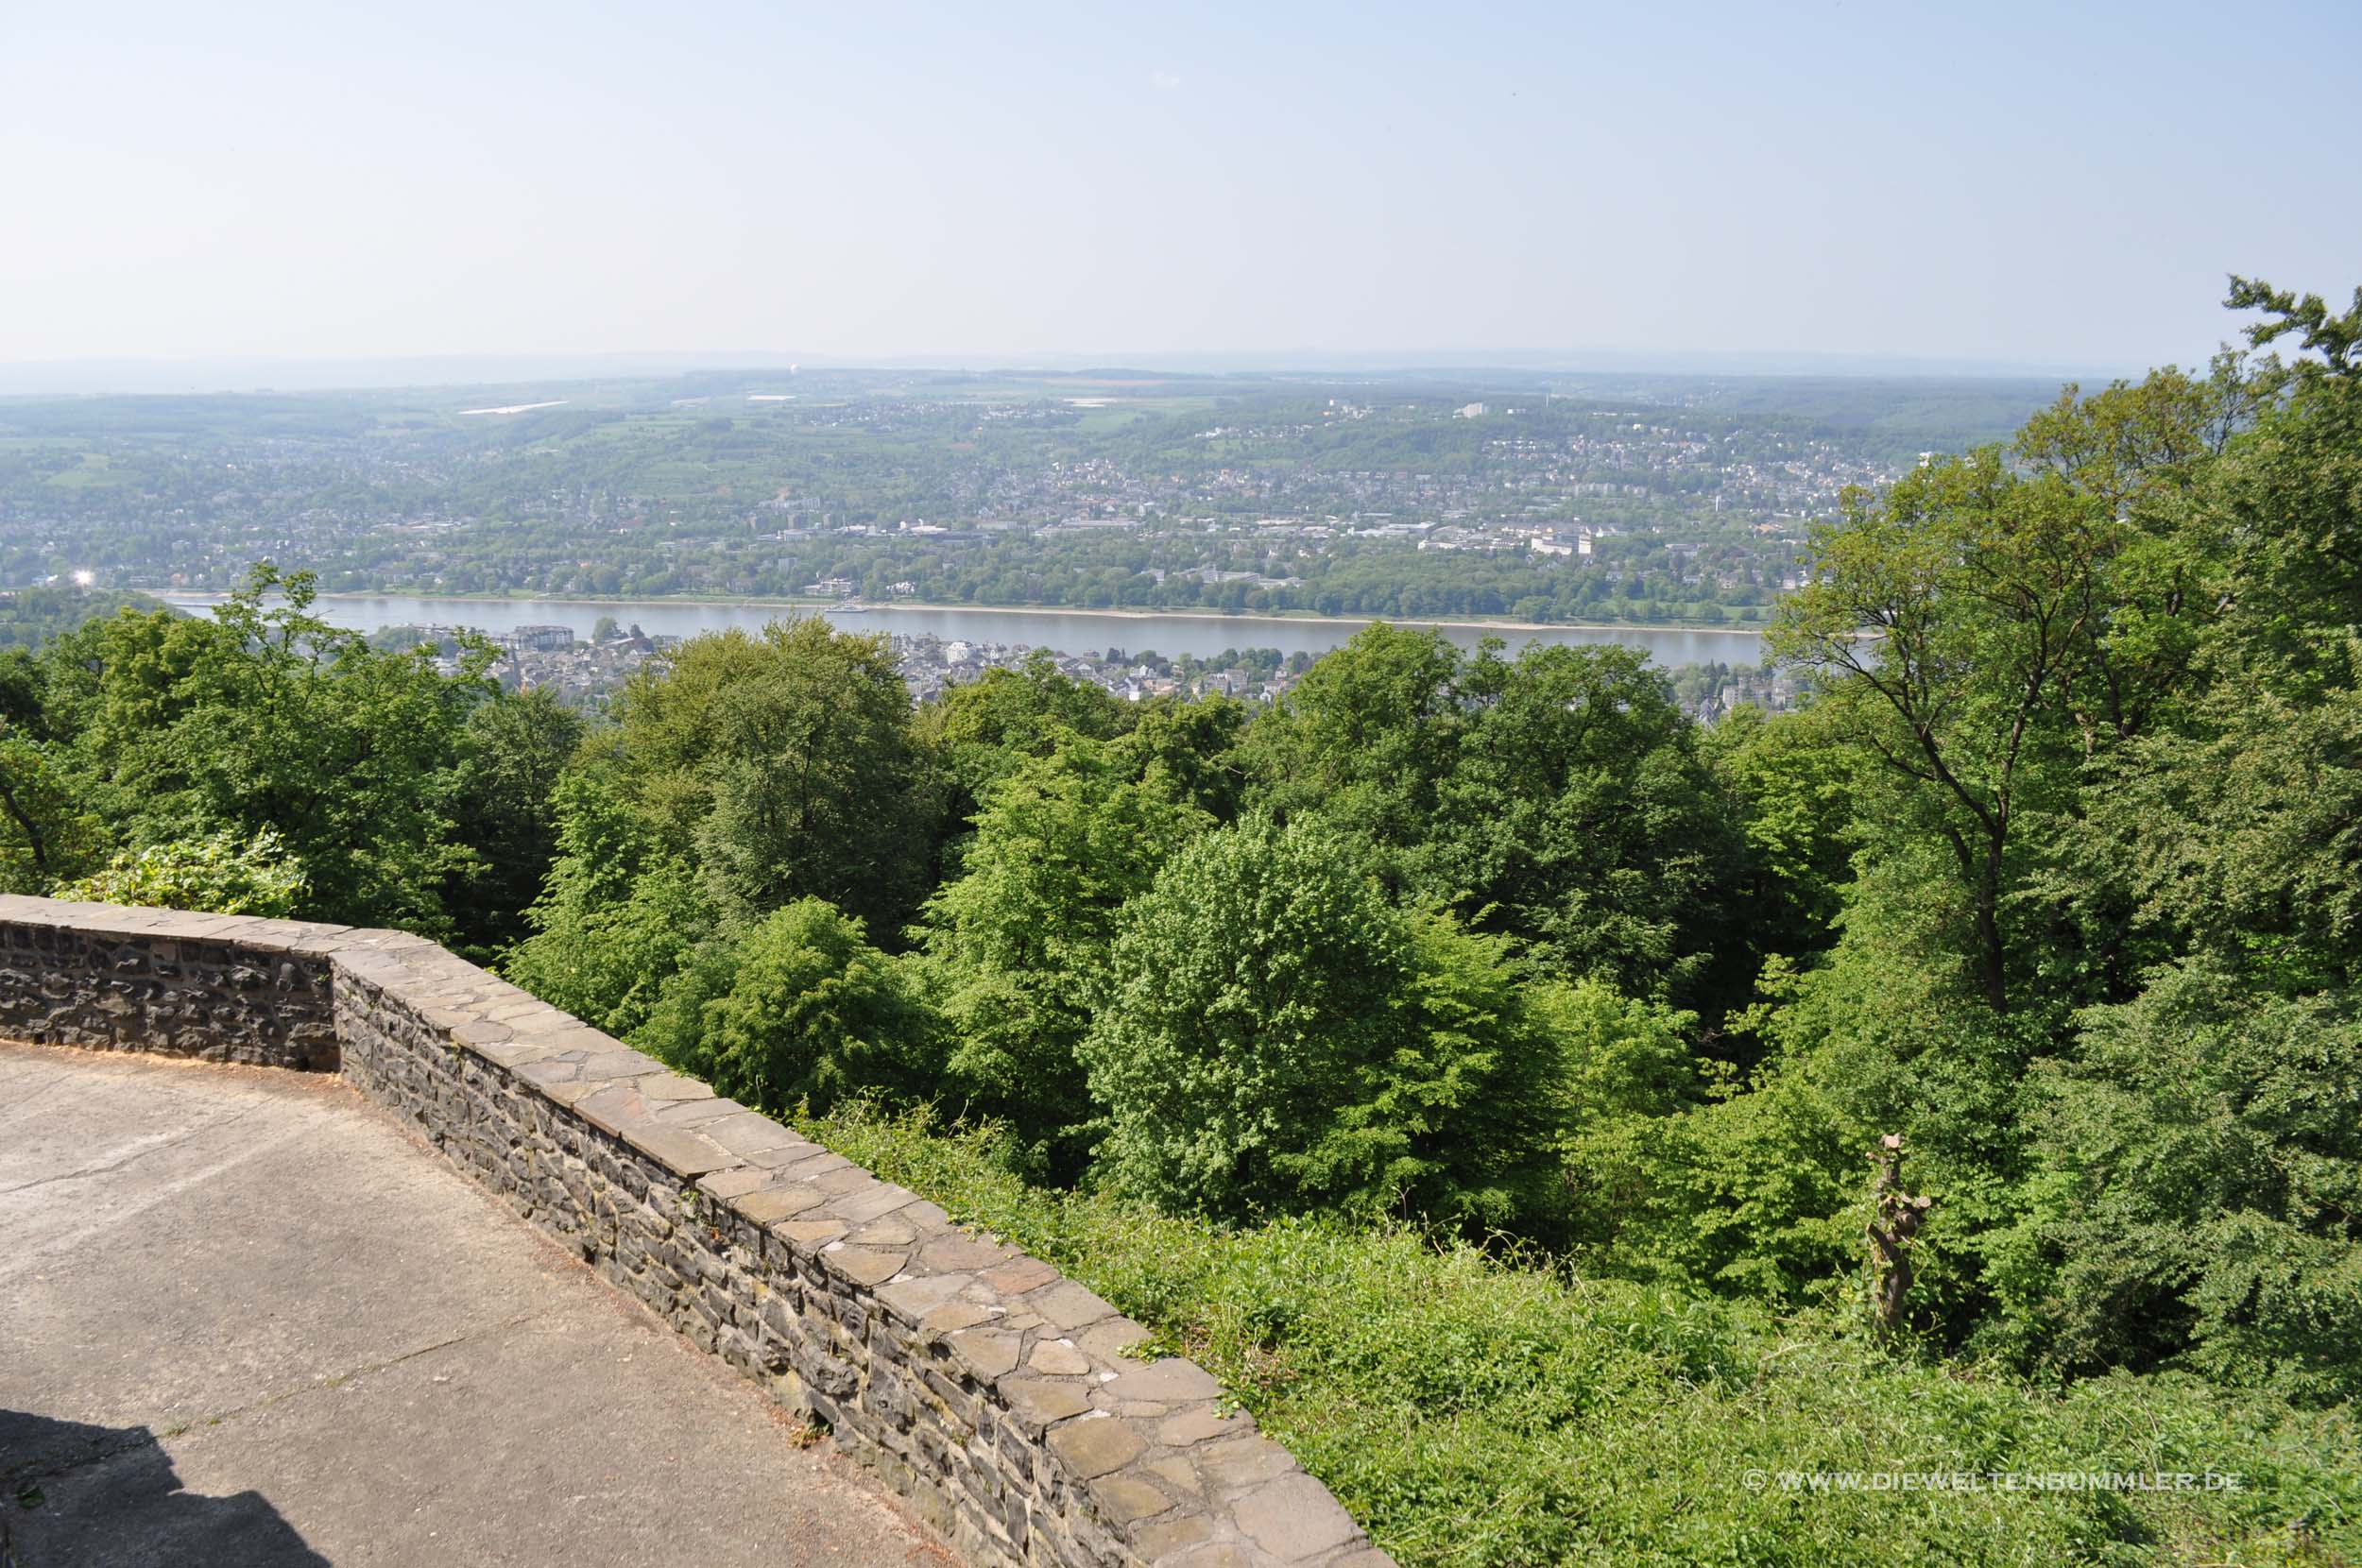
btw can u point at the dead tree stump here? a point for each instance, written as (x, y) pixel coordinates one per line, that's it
(1894, 1222)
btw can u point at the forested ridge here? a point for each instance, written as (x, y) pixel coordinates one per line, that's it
(1545, 1111)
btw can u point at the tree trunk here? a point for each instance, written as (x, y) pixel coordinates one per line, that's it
(1992, 953)
(1894, 1222)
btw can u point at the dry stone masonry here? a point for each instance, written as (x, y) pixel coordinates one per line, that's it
(988, 1389)
(167, 983)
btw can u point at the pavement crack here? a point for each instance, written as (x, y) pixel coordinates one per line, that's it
(133, 1158)
(131, 1440)
(501, 1327)
(338, 1379)
(16, 1107)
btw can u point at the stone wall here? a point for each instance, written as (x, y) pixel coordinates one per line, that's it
(989, 1389)
(177, 984)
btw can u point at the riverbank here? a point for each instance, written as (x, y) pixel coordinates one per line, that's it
(1199, 634)
(1285, 617)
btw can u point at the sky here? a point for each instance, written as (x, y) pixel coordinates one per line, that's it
(2051, 186)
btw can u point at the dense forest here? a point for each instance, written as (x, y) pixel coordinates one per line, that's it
(1544, 1109)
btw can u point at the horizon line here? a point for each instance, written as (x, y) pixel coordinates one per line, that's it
(234, 374)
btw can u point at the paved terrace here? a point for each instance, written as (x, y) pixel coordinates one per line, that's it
(261, 1290)
(246, 1320)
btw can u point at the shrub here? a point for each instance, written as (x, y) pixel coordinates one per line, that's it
(1249, 986)
(220, 874)
(800, 1011)
(1020, 941)
(617, 917)
(1278, 1036)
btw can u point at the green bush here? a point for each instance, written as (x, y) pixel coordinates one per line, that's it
(1278, 1036)
(617, 916)
(798, 1010)
(1019, 942)
(221, 874)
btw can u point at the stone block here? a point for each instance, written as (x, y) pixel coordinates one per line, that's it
(1241, 1464)
(1019, 1274)
(670, 1086)
(987, 1354)
(1158, 1537)
(766, 1205)
(870, 1200)
(1294, 1518)
(1095, 1444)
(1067, 1304)
(1172, 1379)
(749, 1133)
(864, 1266)
(964, 1254)
(733, 1181)
(618, 1063)
(1111, 1336)
(809, 1235)
(1039, 1401)
(913, 1299)
(1058, 1358)
(1188, 1429)
(890, 1233)
(682, 1152)
(1125, 1496)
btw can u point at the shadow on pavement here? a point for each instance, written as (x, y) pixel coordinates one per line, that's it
(80, 1496)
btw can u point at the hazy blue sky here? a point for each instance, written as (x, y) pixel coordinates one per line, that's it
(2056, 184)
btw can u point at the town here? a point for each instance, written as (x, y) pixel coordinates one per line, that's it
(587, 673)
(1553, 500)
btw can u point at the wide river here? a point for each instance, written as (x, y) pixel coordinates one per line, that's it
(1068, 631)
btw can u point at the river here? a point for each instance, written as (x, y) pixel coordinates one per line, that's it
(1068, 631)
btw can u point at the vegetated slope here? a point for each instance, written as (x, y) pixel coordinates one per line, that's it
(1476, 1412)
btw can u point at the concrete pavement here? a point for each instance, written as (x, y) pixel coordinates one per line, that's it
(246, 1321)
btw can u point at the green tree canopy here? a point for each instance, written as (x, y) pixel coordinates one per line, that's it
(1278, 1036)
(784, 766)
(1021, 939)
(503, 806)
(1987, 629)
(984, 729)
(1579, 818)
(618, 915)
(263, 717)
(798, 1012)
(1557, 798)
(2197, 1175)
(1366, 737)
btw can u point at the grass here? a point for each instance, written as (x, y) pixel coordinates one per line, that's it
(1476, 1412)
(1095, 420)
(94, 469)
